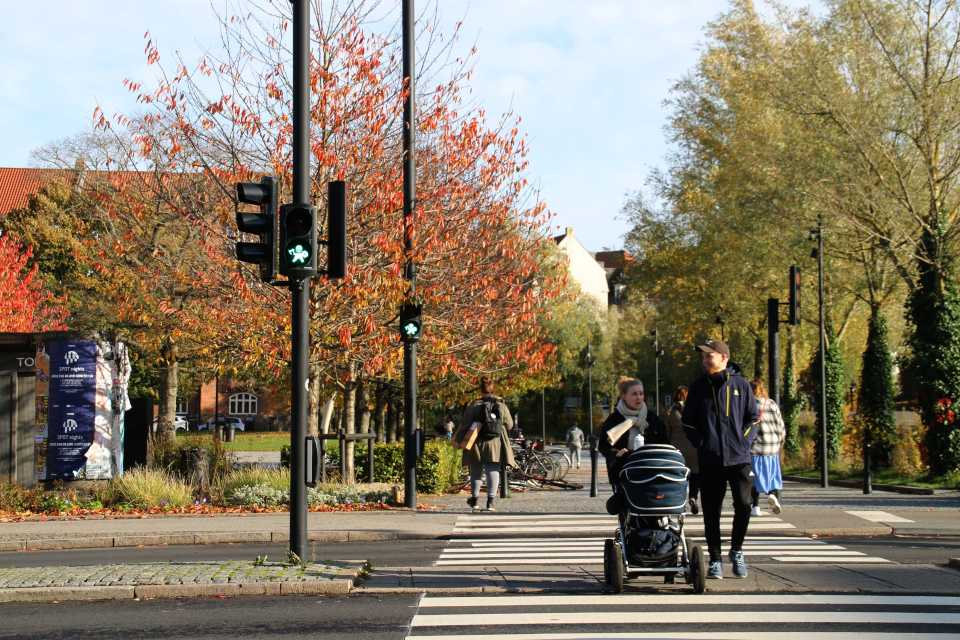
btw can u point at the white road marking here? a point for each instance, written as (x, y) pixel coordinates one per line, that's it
(488, 619)
(587, 600)
(877, 516)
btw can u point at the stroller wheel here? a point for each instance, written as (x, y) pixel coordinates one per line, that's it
(608, 559)
(698, 570)
(616, 570)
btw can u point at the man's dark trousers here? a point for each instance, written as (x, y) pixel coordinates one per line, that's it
(713, 488)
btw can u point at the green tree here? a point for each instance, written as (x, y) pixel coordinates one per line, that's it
(933, 310)
(875, 400)
(791, 401)
(835, 386)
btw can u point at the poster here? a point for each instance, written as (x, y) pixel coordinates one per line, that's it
(81, 398)
(72, 408)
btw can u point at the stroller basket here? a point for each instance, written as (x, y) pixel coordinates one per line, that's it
(654, 480)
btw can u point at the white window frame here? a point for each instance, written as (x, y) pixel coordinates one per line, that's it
(245, 402)
(183, 407)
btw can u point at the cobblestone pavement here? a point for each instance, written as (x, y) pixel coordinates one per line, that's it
(169, 573)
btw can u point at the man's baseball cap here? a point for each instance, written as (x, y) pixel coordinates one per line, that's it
(715, 346)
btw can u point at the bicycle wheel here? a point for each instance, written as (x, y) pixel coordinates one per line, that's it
(552, 465)
(564, 461)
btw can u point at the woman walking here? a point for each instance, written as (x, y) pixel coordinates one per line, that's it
(765, 452)
(681, 442)
(489, 417)
(629, 420)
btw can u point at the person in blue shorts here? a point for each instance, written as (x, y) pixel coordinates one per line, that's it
(765, 451)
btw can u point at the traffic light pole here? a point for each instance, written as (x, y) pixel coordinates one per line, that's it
(773, 348)
(300, 289)
(409, 199)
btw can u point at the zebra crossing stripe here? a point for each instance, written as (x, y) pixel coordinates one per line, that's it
(593, 600)
(705, 635)
(489, 619)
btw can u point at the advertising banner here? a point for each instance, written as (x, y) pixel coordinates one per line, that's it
(81, 397)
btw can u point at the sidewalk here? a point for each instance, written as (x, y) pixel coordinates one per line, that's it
(812, 510)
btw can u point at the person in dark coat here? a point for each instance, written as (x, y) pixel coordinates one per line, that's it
(720, 417)
(629, 419)
(679, 439)
(484, 456)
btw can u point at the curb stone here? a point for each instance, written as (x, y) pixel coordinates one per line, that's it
(853, 484)
(63, 594)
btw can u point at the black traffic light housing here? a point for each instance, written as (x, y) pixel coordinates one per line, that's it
(411, 322)
(337, 229)
(298, 240)
(794, 299)
(264, 224)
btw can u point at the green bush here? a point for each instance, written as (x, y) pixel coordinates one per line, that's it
(263, 495)
(437, 468)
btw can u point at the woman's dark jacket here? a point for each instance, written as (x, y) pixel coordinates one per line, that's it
(656, 433)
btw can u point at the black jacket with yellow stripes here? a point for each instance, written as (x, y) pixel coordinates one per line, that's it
(720, 418)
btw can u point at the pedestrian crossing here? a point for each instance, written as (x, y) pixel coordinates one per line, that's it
(747, 617)
(509, 540)
(501, 524)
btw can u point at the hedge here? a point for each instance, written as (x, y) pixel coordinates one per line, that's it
(437, 469)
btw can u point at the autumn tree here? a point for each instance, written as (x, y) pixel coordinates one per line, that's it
(24, 304)
(477, 224)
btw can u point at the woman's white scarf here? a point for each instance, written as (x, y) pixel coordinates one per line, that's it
(635, 423)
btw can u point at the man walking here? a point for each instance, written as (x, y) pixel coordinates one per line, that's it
(720, 419)
(575, 443)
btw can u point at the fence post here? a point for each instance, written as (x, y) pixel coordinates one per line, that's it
(370, 442)
(594, 454)
(867, 479)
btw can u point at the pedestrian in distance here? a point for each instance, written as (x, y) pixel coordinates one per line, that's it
(575, 443)
(765, 452)
(629, 422)
(679, 439)
(483, 437)
(720, 417)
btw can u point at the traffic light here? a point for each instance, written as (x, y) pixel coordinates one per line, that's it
(298, 240)
(264, 224)
(411, 322)
(336, 229)
(794, 300)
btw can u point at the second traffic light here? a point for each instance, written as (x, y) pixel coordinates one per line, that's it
(794, 300)
(298, 240)
(264, 224)
(411, 322)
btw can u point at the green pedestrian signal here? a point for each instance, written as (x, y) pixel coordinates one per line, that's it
(298, 234)
(411, 322)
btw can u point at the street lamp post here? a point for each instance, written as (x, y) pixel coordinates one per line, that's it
(657, 352)
(590, 386)
(817, 234)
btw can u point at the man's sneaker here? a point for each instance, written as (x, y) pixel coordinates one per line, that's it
(715, 570)
(774, 504)
(739, 566)
(756, 511)
(694, 507)
(472, 503)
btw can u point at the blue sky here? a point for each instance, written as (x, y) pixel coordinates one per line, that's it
(588, 79)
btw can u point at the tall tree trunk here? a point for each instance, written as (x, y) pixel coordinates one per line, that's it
(349, 422)
(380, 413)
(392, 418)
(313, 395)
(363, 407)
(167, 408)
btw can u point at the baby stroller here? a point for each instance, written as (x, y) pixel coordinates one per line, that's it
(651, 494)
